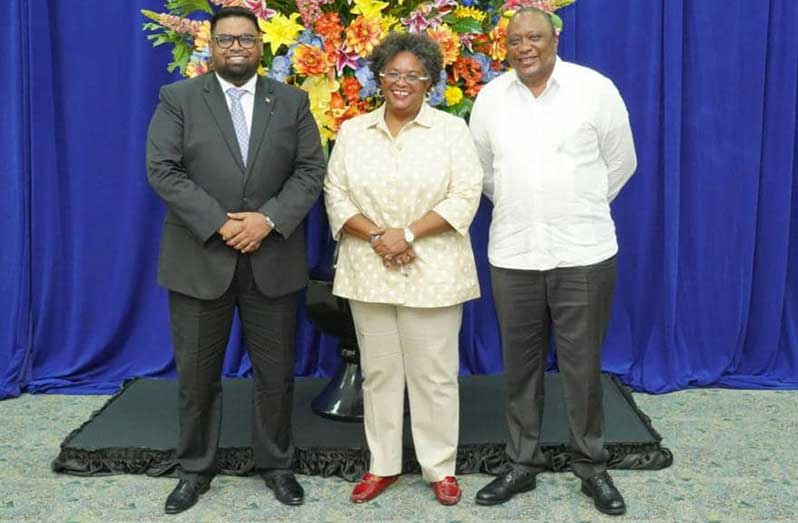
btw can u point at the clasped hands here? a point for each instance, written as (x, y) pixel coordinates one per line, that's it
(244, 231)
(391, 246)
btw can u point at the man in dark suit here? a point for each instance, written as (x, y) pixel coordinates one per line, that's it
(237, 160)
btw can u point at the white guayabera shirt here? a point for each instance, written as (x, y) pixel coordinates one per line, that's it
(430, 165)
(552, 166)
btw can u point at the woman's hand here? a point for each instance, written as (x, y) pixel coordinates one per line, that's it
(390, 243)
(400, 260)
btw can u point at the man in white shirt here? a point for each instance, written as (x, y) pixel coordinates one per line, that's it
(556, 148)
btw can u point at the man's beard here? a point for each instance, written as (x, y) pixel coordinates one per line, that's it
(238, 74)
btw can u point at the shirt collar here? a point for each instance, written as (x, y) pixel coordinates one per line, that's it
(249, 86)
(377, 117)
(556, 77)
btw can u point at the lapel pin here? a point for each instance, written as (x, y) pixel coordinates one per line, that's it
(268, 100)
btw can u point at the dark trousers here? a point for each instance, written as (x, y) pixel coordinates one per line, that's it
(574, 302)
(200, 331)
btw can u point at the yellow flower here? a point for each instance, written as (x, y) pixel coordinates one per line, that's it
(279, 30)
(387, 23)
(453, 95)
(203, 37)
(320, 89)
(470, 12)
(369, 8)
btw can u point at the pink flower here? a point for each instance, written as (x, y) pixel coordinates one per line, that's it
(344, 59)
(259, 8)
(416, 22)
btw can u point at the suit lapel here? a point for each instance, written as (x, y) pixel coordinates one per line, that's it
(265, 102)
(214, 97)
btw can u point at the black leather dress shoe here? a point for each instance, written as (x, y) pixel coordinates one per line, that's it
(506, 486)
(185, 495)
(286, 488)
(605, 496)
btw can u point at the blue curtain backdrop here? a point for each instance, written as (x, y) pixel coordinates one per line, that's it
(708, 227)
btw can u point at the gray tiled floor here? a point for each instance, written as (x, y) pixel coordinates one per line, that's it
(734, 462)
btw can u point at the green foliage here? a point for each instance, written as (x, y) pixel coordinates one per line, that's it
(181, 50)
(557, 21)
(180, 57)
(461, 109)
(466, 25)
(186, 7)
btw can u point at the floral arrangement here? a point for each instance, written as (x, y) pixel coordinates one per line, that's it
(321, 46)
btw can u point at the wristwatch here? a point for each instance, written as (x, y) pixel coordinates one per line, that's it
(409, 236)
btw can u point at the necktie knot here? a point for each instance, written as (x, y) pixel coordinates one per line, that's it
(235, 93)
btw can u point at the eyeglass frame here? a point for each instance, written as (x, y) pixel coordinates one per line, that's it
(395, 76)
(236, 38)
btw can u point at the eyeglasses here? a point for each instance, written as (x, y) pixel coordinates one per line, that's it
(226, 41)
(411, 78)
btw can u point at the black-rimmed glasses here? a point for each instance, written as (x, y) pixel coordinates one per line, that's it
(226, 41)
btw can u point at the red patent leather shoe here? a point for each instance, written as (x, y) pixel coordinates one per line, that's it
(370, 487)
(447, 491)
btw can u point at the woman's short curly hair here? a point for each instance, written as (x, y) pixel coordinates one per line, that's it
(422, 46)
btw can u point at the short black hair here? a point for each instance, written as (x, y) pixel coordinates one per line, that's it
(536, 10)
(229, 12)
(422, 46)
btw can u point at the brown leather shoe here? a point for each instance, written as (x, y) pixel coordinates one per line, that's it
(447, 491)
(370, 487)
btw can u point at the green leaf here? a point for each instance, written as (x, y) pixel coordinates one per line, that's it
(463, 108)
(557, 21)
(467, 25)
(180, 57)
(449, 18)
(152, 15)
(186, 7)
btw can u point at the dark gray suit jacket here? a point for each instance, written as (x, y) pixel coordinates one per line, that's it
(194, 164)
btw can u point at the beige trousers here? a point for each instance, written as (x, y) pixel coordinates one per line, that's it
(419, 347)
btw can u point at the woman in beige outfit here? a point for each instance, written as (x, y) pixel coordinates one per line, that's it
(402, 187)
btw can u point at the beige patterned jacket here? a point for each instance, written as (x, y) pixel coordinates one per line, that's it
(432, 164)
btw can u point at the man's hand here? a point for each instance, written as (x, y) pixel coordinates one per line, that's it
(230, 228)
(253, 229)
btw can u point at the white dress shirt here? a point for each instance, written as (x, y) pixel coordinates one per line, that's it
(247, 100)
(430, 165)
(552, 165)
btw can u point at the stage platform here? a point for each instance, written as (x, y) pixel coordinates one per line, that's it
(134, 432)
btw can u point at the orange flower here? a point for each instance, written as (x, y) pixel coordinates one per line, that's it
(363, 34)
(329, 24)
(350, 112)
(448, 40)
(351, 89)
(329, 27)
(309, 60)
(498, 49)
(468, 70)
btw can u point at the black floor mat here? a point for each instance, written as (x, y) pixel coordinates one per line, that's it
(135, 432)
